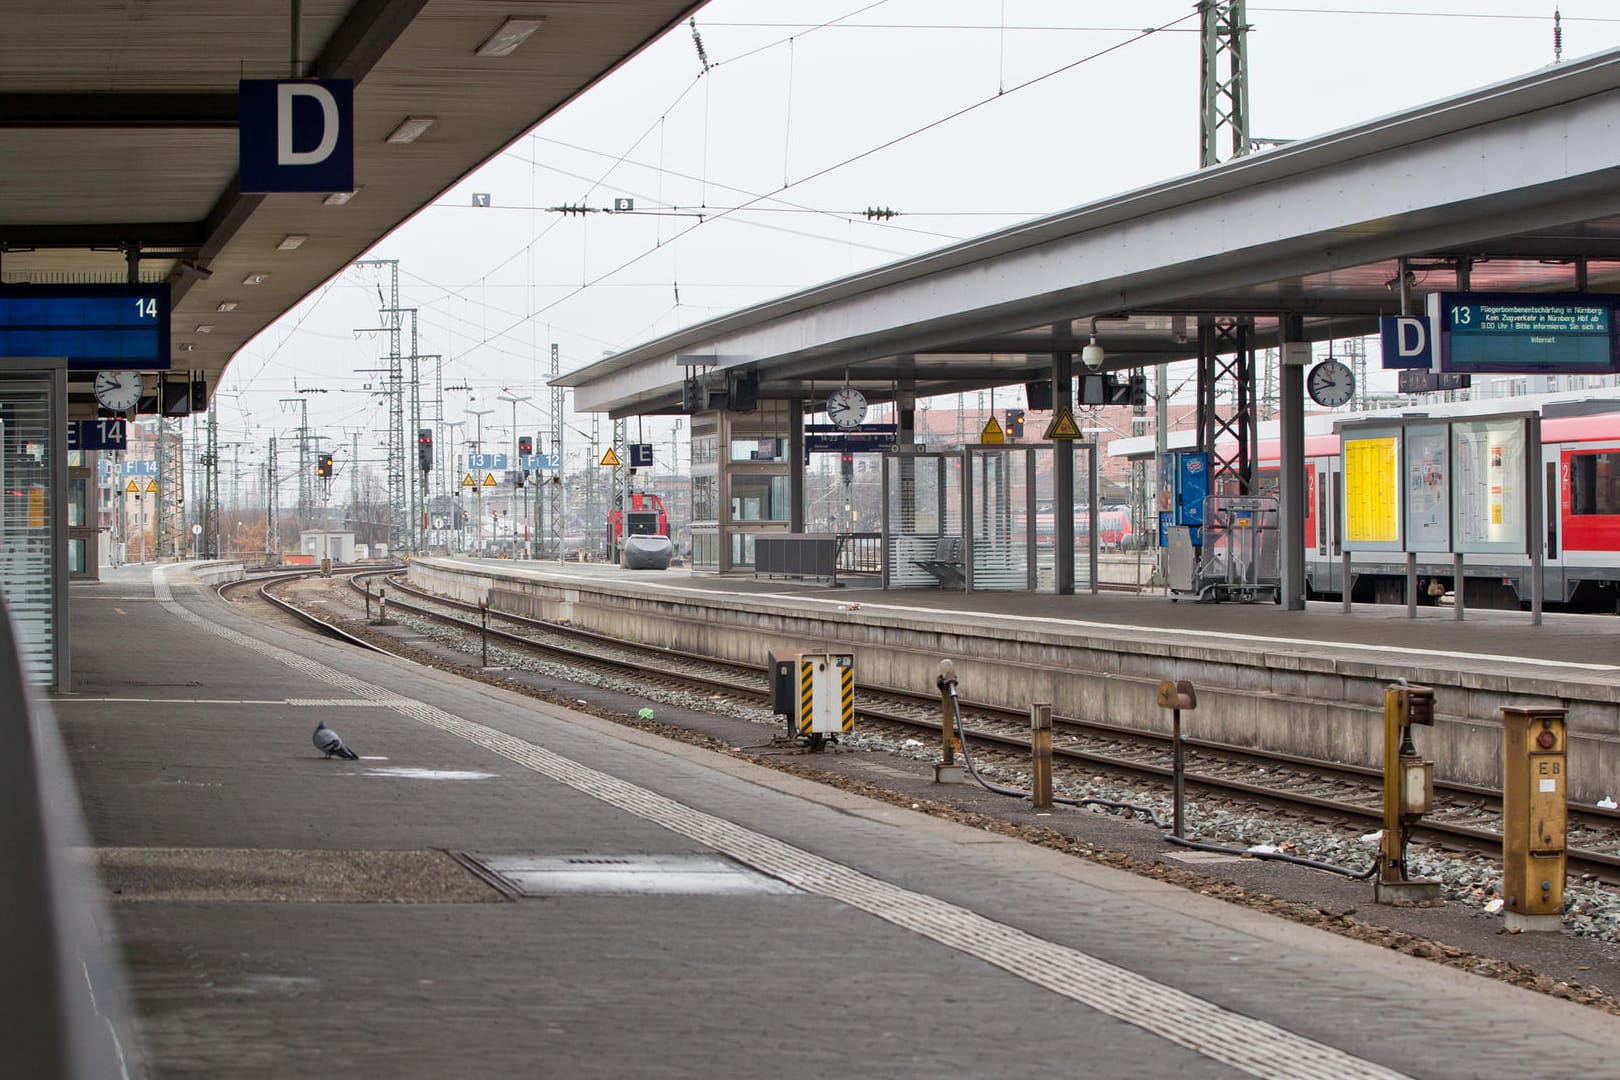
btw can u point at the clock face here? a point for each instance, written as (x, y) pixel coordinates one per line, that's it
(846, 407)
(118, 391)
(1331, 384)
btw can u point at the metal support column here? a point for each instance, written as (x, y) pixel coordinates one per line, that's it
(1063, 464)
(558, 403)
(1223, 81)
(1226, 361)
(796, 466)
(1291, 429)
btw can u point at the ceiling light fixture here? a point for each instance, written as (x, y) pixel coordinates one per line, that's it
(292, 241)
(338, 198)
(226, 305)
(256, 279)
(411, 128)
(205, 328)
(187, 347)
(512, 33)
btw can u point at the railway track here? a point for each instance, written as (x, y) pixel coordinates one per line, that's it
(1466, 818)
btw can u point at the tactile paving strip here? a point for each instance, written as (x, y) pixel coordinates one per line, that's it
(1241, 1042)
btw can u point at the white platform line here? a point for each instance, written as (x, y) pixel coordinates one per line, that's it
(1242, 1042)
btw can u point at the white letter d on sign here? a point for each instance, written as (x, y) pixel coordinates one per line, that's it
(285, 154)
(1412, 336)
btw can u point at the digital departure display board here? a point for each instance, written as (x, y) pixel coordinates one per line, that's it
(1526, 333)
(97, 327)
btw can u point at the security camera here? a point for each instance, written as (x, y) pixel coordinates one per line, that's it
(1092, 355)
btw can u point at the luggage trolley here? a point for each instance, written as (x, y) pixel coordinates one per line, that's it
(1240, 557)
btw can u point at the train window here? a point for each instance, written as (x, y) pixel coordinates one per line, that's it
(1594, 483)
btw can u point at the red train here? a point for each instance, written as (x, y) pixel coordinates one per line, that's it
(647, 518)
(1580, 463)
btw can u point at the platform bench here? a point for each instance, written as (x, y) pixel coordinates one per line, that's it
(946, 565)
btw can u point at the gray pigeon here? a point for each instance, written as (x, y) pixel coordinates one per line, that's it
(328, 743)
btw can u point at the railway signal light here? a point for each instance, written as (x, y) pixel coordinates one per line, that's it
(525, 446)
(1015, 424)
(848, 465)
(424, 449)
(323, 465)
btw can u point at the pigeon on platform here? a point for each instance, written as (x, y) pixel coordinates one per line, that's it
(328, 743)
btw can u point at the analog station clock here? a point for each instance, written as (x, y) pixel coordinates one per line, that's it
(118, 391)
(1331, 384)
(846, 407)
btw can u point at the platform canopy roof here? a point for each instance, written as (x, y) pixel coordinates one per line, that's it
(118, 130)
(1521, 179)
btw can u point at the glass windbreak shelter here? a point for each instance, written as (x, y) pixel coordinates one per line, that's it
(982, 518)
(33, 515)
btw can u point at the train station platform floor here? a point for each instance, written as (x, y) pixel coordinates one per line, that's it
(1484, 638)
(285, 915)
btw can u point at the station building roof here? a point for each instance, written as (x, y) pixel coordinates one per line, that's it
(1521, 178)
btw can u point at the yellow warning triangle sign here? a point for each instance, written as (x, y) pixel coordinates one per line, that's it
(468, 481)
(992, 433)
(132, 488)
(151, 486)
(1062, 425)
(489, 480)
(610, 458)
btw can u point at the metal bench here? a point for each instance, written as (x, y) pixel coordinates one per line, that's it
(946, 565)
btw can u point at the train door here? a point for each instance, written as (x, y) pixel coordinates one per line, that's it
(1322, 550)
(1554, 500)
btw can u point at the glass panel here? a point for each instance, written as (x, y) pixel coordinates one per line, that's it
(705, 498)
(1001, 525)
(75, 506)
(759, 498)
(26, 562)
(759, 449)
(923, 519)
(76, 550)
(742, 550)
(705, 548)
(1594, 484)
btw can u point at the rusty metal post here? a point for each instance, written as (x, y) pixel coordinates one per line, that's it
(1040, 752)
(483, 632)
(946, 770)
(1408, 793)
(1176, 695)
(382, 607)
(1534, 817)
(368, 601)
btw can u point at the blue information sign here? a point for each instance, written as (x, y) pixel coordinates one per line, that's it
(1526, 333)
(97, 327)
(487, 462)
(536, 462)
(143, 467)
(641, 455)
(296, 134)
(106, 434)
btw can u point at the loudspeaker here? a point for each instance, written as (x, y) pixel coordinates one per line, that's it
(742, 390)
(1038, 395)
(176, 398)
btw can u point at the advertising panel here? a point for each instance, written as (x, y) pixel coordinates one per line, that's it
(1428, 487)
(1372, 488)
(1489, 491)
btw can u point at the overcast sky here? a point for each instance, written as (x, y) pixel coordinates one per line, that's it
(752, 180)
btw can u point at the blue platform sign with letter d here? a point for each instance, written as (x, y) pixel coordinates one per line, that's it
(1407, 342)
(296, 134)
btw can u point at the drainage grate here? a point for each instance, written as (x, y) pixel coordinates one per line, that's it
(629, 875)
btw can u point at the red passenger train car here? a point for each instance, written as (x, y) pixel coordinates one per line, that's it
(1579, 459)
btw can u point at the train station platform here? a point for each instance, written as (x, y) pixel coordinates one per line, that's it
(1308, 682)
(287, 915)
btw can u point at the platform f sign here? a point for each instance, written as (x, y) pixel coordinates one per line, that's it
(296, 134)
